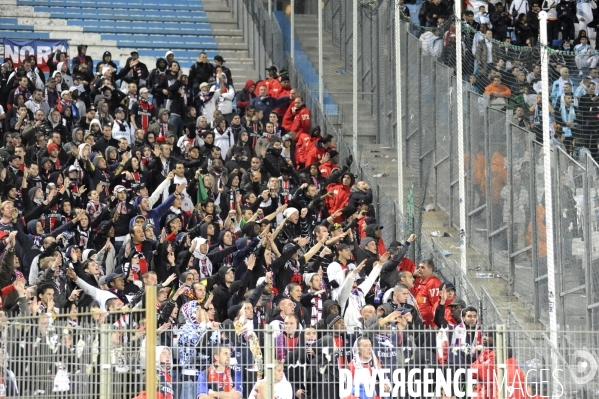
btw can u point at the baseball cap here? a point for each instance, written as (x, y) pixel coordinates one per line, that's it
(219, 58)
(119, 188)
(50, 80)
(144, 90)
(403, 310)
(204, 84)
(139, 186)
(62, 93)
(272, 68)
(111, 277)
(119, 109)
(72, 168)
(341, 247)
(336, 226)
(458, 302)
(448, 286)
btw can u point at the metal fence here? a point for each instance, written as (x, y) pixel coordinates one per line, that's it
(504, 181)
(104, 356)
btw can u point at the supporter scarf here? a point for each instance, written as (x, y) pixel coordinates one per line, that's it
(146, 112)
(83, 237)
(316, 310)
(121, 207)
(120, 294)
(220, 382)
(293, 265)
(94, 209)
(161, 138)
(460, 333)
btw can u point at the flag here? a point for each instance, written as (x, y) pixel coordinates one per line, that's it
(202, 194)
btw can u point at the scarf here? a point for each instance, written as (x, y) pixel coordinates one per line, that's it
(316, 310)
(121, 207)
(83, 237)
(293, 265)
(120, 294)
(460, 339)
(145, 109)
(219, 382)
(94, 209)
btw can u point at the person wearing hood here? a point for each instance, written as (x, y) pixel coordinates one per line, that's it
(243, 97)
(77, 139)
(162, 126)
(200, 72)
(221, 293)
(154, 82)
(54, 123)
(194, 328)
(341, 188)
(373, 231)
(83, 58)
(106, 61)
(63, 68)
(282, 388)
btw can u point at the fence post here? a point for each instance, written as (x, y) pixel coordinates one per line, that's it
(558, 241)
(105, 366)
(269, 366)
(151, 323)
(533, 221)
(510, 222)
(587, 241)
(488, 187)
(501, 346)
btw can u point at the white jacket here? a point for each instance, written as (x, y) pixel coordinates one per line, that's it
(127, 133)
(351, 302)
(224, 100)
(224, 141)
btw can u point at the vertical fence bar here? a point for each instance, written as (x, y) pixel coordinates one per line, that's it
(355, 77)
(151, 324)
(105, 367)
(398, 111)
(320, 57)
(292, 51)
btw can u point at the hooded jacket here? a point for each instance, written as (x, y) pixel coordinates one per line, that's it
(243, 97)
(221, 295)
(155, 79)
(165, 381)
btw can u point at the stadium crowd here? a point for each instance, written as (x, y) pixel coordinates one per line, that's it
(502, 60)
(235, 206)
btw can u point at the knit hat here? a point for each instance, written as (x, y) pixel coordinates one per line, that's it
(332, 319)
(289, 211)
(365, 241)
(307, 278)
(51, 146)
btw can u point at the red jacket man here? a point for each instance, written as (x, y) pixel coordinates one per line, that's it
(340, 191)
(426, 291)
(319, 149)
(301, 120)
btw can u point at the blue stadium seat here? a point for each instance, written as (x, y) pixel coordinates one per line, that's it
(114, 4)
(23, 35)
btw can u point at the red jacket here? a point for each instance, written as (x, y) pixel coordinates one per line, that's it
(327, 168)
(340, 199)
(427, 296)
(302, 141)
(516, 380)
(485, 370)
(314, 154)
(301, 121)
(288, 117)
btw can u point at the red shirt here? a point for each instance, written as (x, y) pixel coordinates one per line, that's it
(427, 296)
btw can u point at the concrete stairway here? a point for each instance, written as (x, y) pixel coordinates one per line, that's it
(339, 86)
(148, 26)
